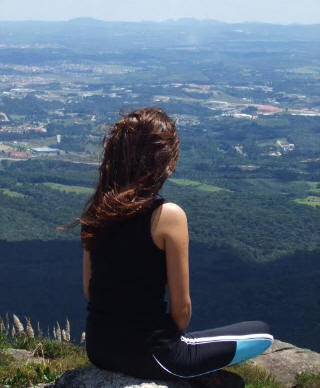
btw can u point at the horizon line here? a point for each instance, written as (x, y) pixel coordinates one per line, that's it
(173, 20)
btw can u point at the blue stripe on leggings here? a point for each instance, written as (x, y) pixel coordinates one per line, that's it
(247, 349)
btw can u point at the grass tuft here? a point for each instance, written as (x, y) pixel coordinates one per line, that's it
(57, 357)
(52, 356)
(5, 359)
(28, 375)
(254, 376)
(308, 380)
(4, 341)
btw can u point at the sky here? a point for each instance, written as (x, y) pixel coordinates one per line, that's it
(270, 11)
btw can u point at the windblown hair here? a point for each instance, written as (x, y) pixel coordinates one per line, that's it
(140, 152)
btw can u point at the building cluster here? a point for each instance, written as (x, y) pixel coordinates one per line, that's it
(45, 150)
(285, 146)
(22, 128)
(23, 150)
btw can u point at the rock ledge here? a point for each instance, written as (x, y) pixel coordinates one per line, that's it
(282, 360)
(92, 377)
(285, 361)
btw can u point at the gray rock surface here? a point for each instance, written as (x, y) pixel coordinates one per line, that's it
(284, 361)
(92, 377)
(22, 356)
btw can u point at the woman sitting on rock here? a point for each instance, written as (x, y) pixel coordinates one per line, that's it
(135, 242)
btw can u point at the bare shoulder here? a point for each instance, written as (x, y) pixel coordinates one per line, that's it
(170, 215)
(171, 210)
(168, 220)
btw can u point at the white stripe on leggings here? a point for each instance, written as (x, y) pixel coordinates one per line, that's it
(189, 376)
(205, 340)
(184, 377)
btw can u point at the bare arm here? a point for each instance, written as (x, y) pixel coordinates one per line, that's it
(86, 272)
(174, 229)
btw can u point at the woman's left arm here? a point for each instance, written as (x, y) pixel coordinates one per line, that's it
(86, 272)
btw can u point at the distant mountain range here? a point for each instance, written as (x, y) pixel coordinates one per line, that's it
(92, 33)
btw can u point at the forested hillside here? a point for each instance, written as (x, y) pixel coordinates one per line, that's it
(231, 233)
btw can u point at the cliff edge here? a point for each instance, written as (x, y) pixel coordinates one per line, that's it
(283, 360)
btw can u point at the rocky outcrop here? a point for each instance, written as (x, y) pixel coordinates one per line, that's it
(282, 360)
(285, 361)
(92, 377)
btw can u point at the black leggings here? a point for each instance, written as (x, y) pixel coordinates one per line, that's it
(194, 354)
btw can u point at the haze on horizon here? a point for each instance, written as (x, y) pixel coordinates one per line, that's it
(232, 11)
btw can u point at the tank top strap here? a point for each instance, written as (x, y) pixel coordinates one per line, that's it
(159, 201)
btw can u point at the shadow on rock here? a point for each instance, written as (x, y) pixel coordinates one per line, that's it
(220, 379)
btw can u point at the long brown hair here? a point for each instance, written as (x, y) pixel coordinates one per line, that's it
(140, 152)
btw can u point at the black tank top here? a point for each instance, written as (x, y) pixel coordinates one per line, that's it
(127, 286)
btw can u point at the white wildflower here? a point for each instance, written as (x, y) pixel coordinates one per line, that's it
(29, 329)
(2, 326)
(67, 330)
(64, 335)
(58, 332)
(18, 324)
(83, 337)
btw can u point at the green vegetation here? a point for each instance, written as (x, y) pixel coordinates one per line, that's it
(50, 349)
(184, 182)
(11, 193)
(45, 360)
(310, 201)
(68, 188)
(52, 358)
(4, 340)
(27, 375)
(306, 70)
(5, 359)
(198, 185)
(254, 376)
(308, 380)
(245, 211)
(315, 188)
(37, 372)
